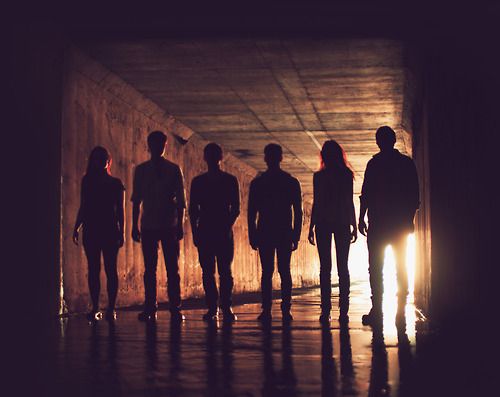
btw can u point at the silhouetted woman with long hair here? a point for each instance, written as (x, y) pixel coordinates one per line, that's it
(333, 213)
(101, 215)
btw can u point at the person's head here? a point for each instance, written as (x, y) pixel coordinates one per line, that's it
(156, 143)
(333, 156)
(273, 154)
(99, 161)
(386, 138)
(212, 154)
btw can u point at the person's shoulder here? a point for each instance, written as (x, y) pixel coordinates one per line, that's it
(199, 178)
(170, 165)
(229, 177)
(116, 182)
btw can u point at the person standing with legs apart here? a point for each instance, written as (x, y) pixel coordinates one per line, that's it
(214, 206)
(333, 213)
(274, 227)
(390, 194)
(159, 187)
(101, 215)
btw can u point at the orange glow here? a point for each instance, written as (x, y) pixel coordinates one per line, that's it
(390, 301)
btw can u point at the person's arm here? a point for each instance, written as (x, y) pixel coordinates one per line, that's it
(252, 216)
(136, 205)
(235, 201)
(79, 215)
(364, 200)
(194, 210)
(120, 215)
(297, 215)
(181, 204)
(314, 210)
(354, 228)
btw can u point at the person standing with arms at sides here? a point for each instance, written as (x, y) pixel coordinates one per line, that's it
(333, 213)
(101, 215)
(390, 194)
(214, 206)
(159, 187)
(274, 226)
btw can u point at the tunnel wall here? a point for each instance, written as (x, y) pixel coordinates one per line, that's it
(101, 109)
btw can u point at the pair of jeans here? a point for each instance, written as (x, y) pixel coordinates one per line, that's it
(94, 247)
(220, 252)
(170, 245)
(342, 236)
(378, 240)
(267, 253)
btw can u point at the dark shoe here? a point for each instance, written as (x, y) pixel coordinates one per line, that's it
(147, 316)
(210, 316)
(287, 316)
(265, 316)
(110, 315)
(372, 318)
(343, 318)
(94, 316)
(229, 315)
(325, 318)
(176, 315)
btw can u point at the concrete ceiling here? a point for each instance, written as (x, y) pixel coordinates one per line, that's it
(246, 93)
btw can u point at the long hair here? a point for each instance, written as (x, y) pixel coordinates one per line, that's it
(99, 162)
(333, 156)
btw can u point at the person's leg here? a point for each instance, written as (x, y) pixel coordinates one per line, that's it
(206, 256)
(399, 243)
(225, 254)
(284, 254)
(149, 242)
(170, 246)
(376, 252)
(266, 254)
(110, 254)
(324, 242)
(342, 245)
(93, 253)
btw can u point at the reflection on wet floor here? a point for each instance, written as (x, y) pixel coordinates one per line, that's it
(245, 358)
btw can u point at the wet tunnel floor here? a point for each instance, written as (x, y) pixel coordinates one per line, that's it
(194, 358)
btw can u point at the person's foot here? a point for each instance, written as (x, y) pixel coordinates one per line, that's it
(176, 315)
(343, 318)
(147, 316)
(372, 318)
(110, 315)
(265, 316)
(229, 315)
(210, 316)
(94, 315)
(324, 318)
(287, 316)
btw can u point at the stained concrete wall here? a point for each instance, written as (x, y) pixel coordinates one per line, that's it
(101, 109)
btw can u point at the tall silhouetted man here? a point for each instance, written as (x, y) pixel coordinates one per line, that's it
(159, 187)
(390, 194)
(274, 226)
(214, 206)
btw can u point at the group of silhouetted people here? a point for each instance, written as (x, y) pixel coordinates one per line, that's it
(390, 196)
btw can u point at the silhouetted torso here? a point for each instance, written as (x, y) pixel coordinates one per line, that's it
(159, 186)
(214, 204)
(100, 197)
(390, 191)
(272, 195)
(332, 196)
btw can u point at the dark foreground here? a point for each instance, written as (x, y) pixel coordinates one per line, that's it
(247, 358)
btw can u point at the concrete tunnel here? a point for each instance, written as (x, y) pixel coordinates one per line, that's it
(295, 76)
(242, 94)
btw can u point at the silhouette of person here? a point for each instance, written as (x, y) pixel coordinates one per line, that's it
(101, 216)
(214, 206)
(333, 213)
(275, 198)
(159, 187)
(390, 194)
